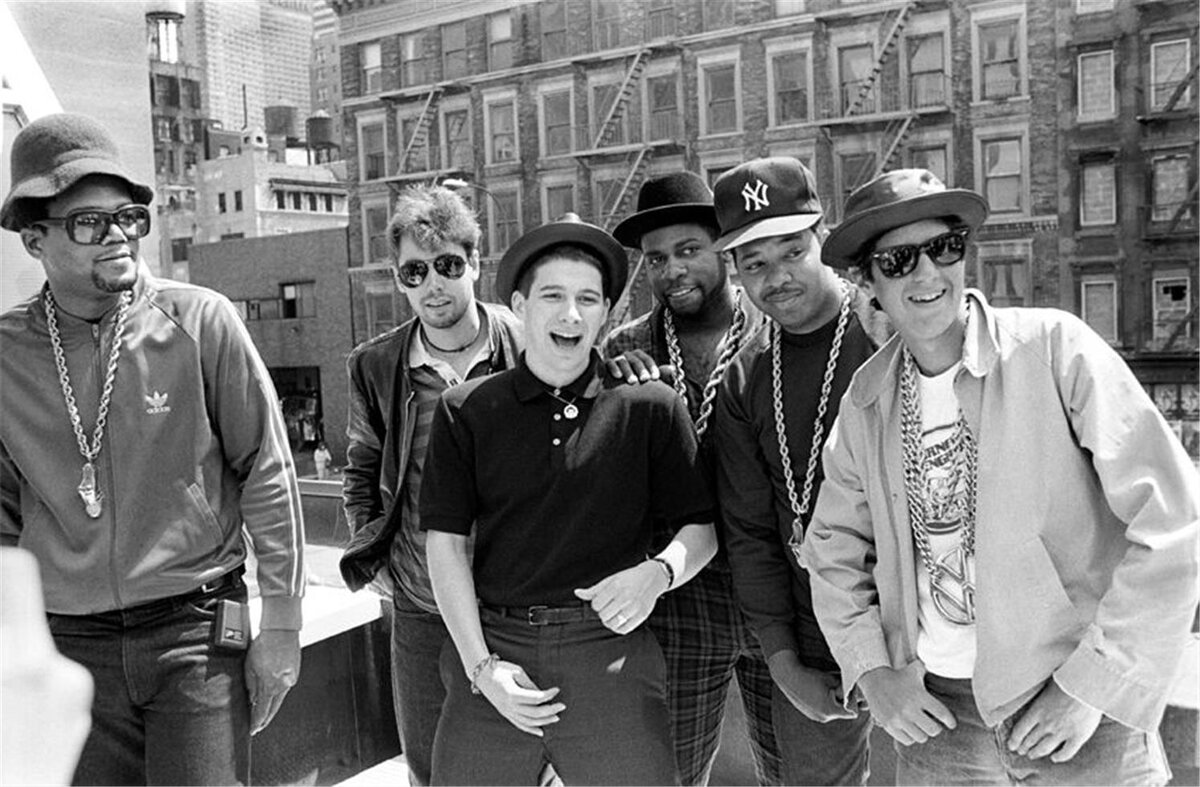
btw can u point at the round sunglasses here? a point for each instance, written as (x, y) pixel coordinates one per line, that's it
(897, 261)
(89, 227)
(412, 272)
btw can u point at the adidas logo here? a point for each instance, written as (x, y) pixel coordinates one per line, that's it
(158, 404)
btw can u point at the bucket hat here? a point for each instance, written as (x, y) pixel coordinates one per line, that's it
(677, 198)
(52, 154)
(764, 198)
(570, 229)
(894, 199)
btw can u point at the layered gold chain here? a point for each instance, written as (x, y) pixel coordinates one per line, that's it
(732, 342)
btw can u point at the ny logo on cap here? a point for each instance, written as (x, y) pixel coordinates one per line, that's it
(756, 196)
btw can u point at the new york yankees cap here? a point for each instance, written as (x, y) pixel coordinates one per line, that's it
(764, 198)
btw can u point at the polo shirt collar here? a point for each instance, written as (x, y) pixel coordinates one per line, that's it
(587, 385)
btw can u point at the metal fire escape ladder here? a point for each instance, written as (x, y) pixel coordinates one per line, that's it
(633, 181)
(1182, 87)
(889, 45)
(897, 131)
(1184, 207)
(421, 132)
(609, 127)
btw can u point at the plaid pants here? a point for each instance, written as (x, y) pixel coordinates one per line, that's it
(706, 642)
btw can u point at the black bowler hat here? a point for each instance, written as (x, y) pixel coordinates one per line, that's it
(764, 198)
(677, 198)
(572, 230)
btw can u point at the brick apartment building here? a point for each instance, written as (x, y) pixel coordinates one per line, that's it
(1077, 119)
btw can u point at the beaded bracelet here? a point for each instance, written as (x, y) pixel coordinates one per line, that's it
(487, 662)
(666, 567)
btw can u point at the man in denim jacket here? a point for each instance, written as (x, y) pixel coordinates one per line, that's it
(1004, 551)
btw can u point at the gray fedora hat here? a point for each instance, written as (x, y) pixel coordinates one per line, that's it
(570, 229)
(53, 153)
(892, 200)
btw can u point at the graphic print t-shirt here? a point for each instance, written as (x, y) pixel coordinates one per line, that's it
(947, 649)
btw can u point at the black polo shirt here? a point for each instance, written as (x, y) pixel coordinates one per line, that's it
(559, 503)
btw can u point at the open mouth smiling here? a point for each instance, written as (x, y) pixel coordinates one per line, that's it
(565, 341)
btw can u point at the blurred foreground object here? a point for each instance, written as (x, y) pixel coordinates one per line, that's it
(46, 698)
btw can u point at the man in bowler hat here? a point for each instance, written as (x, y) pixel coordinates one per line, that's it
(556, 472)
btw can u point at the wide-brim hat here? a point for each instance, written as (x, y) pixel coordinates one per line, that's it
(53, 153)
(764, 198)
(895, 199)
(677, 198)
(569, 229)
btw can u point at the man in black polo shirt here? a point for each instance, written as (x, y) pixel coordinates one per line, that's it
(558, 472)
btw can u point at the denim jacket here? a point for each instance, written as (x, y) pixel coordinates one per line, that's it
(380, 429)
(1086, 522)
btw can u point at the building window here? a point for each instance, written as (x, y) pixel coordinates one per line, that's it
(373, 159)
(375, 221)
(191, 93)
(237, 200)
(1179, 403)
(854, 71)
(720, 98)
(1004, 271)
(312, 201)
(327, 201)
(927, 71)
(380, 307)
(663, 106)
(1172, 305)
(1170, 174)
(370, 59)
(1002, 175)
(556, 120)
(1092, 6)
(933, 159)
(559, 200)
(500, 41)
(606, 191)
(164, 40)
(718, 14)
(1098, 194)
(502, 131)
(856, 169)
(180, 247)
(660, 19)
(607, 16)
(1098, 299)
(454, 50)
(456, 132)
(1170, 62)
(221, 206)
(603, 97)
(281, 200)
(412, 60)
(554, 29)
(1096, 97)
(296, 200)
(790, 72)
(999, 59)
(417, 159)
(298, 299)
(504, 219)
(162, 129)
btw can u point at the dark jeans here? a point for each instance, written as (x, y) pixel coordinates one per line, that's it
(614, 730)
(417, 690)
(973, 753)
(169, 707)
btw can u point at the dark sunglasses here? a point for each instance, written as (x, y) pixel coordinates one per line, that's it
(89, 227)
(413, 272)
(898, 261)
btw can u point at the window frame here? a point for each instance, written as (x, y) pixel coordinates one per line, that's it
(1186, 98)
(1096, 280)
(606, 26)
(555, 90)
(990, 15)
(1111, 110)
(705, 64)
(491, 100)
(364, 122)
(776, 50)
(545, 9)
(368, 73)
(447, 144)
(369, 204)
(498, 191)
(1157, 280)
(1085, 190)
(493, 43)
(413, 70)
(459, 55)
(1000, 133)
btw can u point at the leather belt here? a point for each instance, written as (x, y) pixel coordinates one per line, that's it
(539, 615)
(227, 580)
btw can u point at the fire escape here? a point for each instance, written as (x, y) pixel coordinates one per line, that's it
(420, 133)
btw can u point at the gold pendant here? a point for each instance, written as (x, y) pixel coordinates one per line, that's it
(88, 493)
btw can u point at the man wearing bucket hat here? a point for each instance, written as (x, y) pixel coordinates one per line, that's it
(139, 536)
(557, 471)
(774, 407)
(699, 321)
(1004, 550)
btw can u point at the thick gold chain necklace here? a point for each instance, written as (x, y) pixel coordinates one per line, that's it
(732, 341)
(89, 493)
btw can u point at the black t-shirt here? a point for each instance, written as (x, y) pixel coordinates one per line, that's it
(559, 503)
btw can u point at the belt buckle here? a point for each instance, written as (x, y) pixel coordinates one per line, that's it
(215, 585)
(533, 612)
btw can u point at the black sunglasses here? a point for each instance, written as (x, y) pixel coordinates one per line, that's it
(89, 227)
(897, 261)
(413, 272)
